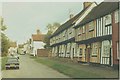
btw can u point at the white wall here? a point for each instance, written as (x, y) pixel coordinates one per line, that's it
(38, 45)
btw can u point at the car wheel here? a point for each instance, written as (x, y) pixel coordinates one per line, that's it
(6, 68)
(17, 67)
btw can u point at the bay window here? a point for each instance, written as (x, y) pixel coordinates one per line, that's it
(106, 50)
(108, 29)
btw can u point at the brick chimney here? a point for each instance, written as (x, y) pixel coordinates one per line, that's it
(38, 31)
(86, 4)
(71, 16)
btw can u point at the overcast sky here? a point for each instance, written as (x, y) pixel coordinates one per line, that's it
(23, 18)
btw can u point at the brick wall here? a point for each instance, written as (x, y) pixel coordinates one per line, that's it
(43, 52)
(115, 39)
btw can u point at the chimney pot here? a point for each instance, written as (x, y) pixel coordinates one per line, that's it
(71, 16)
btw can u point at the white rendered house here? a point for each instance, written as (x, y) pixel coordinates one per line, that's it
(37, 42)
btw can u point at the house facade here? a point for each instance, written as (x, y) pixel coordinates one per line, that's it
(93, 37)
(63, 39)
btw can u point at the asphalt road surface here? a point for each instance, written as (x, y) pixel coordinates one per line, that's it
(31, 69)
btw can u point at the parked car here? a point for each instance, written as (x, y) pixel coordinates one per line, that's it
(16, 55)
(32, 54)
(12, 62)
(22, 52)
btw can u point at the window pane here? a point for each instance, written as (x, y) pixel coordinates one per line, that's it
(83, 29)
(118, 53)
(107, 19)
(116, 16)
(91, 26)
(110, 29)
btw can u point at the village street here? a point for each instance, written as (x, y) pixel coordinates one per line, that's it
(31, 69)
(60, 40)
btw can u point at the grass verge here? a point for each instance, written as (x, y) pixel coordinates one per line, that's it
(71, 70)
(3, 60)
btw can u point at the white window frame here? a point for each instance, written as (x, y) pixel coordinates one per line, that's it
(111, 29)
(108, 19)
(63, 33)
(94, 49)
(79, 31)
(116, 16)
(70, 30)
(106, 50)
(80, 52)
(118, 50)
(83, 28)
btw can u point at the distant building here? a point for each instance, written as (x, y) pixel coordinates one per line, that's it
(13, 48)
(37, 41)
(20, 49)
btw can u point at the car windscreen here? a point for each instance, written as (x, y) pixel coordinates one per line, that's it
(12, 60)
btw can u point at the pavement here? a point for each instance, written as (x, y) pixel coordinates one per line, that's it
(31, 69)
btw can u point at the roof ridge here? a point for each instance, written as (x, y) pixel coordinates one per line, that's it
(76, 17)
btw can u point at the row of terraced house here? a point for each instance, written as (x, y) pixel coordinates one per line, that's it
(91, 36)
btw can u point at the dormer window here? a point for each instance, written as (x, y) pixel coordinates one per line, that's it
(91, 26)
(79, 31)
(83, 28)
(70, 33)
(63, 35)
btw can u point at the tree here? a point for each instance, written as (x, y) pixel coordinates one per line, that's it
(51, 29)
(5, 43)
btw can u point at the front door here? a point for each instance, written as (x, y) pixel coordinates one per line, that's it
(88, 55)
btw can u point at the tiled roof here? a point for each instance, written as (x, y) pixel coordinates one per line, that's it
(68, 23)
(38, 37)
(101, 10)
